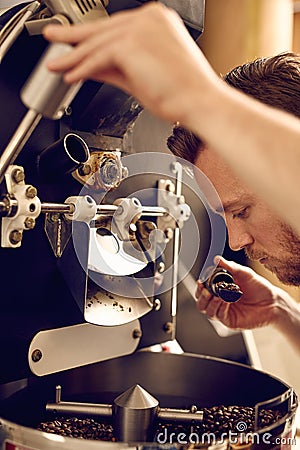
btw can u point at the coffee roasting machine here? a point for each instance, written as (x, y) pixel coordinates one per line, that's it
(96, 235)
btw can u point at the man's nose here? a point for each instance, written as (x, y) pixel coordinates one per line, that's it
(239, 238)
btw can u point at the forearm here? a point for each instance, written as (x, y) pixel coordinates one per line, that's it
(261, 144)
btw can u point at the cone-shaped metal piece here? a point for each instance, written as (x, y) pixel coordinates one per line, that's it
(134, 413)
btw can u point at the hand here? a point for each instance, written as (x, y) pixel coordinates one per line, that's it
(256, 308)
(145, 51)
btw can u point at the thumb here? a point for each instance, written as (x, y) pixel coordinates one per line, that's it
(231, 266)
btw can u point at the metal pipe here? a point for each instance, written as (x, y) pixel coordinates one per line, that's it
(18, 140)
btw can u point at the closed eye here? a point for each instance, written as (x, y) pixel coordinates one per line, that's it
(242, 214)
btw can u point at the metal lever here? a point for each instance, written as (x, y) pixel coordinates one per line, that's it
(54, 95)
(45, 93)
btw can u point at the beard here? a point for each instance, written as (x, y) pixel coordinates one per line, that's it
(286, 267)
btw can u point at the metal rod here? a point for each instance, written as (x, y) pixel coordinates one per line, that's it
(154, 211)
(18, 140)
(101, 209)
(87, 409)
(58, 394)
(104, 410)
(57, 207)
(180, 415)
(18, 27)
(176, 246)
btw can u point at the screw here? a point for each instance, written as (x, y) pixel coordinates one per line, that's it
(156, 304)
(193, 409)
(168, 327)
(136, 334)
(36, 355)
(18, 175)
(31, 192)
(85, 170)
(29, 223)
(15, 236)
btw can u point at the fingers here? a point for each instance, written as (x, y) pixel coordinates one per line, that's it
(207, 303)
(71, 34)
(234, 268)
(86, 51)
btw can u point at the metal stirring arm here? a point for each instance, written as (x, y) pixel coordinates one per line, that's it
(133, 413)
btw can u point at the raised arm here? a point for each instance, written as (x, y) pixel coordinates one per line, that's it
(149, 53)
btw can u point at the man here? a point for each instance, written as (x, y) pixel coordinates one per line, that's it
(148, 52)
(251, 224)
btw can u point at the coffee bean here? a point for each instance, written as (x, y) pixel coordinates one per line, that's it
(216, 419)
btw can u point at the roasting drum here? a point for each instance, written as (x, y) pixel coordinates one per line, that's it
(177, 381)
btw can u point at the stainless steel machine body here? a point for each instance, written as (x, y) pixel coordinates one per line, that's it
(95, 237)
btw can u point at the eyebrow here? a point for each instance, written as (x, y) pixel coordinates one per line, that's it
(228, 206)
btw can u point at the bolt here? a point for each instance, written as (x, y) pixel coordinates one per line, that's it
(15, 236)
(29, 223)
(161, 267)
(193, 409)
(170, 187)
(134, 105)
(136, 334)
(85, 170)
(125, 172)
(68, 111)
(169, 233)
(31, 192)
(18, 175)
(168, 327)
(156, 304)
(132, 227)
(36, 355)
(54, 217)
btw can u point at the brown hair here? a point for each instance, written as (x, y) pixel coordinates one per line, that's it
(273, 80)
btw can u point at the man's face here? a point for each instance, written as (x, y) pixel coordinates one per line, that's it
(251, 224)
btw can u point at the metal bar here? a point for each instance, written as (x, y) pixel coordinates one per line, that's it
(176, 241)
(57, 207)
(104, 410)
(180, 415)
(101, 209)
(18, 140)
(86, 409)
(18, 27)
